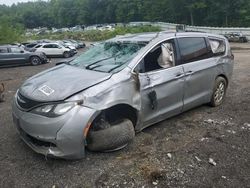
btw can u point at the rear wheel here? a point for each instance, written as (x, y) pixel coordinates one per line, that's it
(112, 137)
(66, 54)
(219, 92)
(35, 60)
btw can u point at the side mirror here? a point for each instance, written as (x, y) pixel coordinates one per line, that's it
(22, 51)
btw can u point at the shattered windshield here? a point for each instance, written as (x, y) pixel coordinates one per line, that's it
(108, 56)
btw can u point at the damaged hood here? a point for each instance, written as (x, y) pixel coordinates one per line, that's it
(60, 82)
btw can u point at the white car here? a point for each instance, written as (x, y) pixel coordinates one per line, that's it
(54, 49)
(67, 45)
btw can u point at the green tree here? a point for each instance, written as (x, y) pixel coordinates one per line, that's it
(9, 33)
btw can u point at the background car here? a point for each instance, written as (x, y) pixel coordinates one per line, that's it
(67, 45)
(54, 50)
(14, 55)
(29, 46)
(80, 44)
(236, 37)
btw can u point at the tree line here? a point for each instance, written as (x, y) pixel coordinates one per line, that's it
(66, 13)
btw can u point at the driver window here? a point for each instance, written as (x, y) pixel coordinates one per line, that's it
(160, 57)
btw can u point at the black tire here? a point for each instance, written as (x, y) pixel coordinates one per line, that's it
(219, 92)
(111, 139)
(35, 60)
(1, 97)
(66, 54)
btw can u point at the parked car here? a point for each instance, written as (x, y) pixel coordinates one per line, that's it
(67, 45)
(80, 44)
(29, 46)
(14, 55)
(53, 50)
(67, 42)
(119, 87)
(236, 37)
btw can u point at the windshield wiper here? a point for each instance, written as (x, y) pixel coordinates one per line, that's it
(88, 66)
(116, 67)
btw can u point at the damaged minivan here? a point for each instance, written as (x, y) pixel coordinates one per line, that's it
(119, 87)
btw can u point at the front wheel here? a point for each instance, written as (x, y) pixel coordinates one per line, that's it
(35, 61)
(115, 137)
(219, 92)
(66, 54)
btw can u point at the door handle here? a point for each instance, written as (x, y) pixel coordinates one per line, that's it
(189, 73)
(178, 75)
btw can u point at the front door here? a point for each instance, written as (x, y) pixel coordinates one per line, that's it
(161, 84)
(4, 56)
(16, 55)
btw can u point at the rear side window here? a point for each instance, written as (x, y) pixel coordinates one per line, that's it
(31, 45)
(48, 46)
(218, 46)
(3, 50)
(38, 46)
(15, 50)
(193, 49)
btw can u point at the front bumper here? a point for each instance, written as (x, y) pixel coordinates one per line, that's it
(73, 52)
(60, 137)
(46, 61)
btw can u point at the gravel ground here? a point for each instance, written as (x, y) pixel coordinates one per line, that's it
(204, 147)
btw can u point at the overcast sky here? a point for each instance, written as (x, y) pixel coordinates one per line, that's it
(10, 2)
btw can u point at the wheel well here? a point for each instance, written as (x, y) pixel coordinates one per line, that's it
(223, 76)
(118, 112)
(34, 56)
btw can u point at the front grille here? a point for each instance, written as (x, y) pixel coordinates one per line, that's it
(26, 103)
(39, 143)
(34, 140)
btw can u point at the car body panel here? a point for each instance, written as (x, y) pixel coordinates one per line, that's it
(168, 85)
(63, 80)
(60, 133)
(196, 74)
(174, 90)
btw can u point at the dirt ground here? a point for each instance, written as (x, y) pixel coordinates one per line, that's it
(204, 147)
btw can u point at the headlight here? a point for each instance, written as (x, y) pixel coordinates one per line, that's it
(61, 109)
(54, 110)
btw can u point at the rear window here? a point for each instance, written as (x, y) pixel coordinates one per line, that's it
(193, 49)
(15, 50)
(218, 46)
(48, 46)
(38, 46)
(31, 45)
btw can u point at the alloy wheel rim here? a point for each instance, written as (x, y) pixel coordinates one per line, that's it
(35, 61)
(219, 92)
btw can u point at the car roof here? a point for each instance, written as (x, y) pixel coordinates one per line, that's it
(49, 43)
(141, 37)
(147, 37)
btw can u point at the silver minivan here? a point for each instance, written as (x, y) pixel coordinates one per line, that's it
(119, 87)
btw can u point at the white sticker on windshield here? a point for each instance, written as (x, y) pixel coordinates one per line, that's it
(46, 90)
